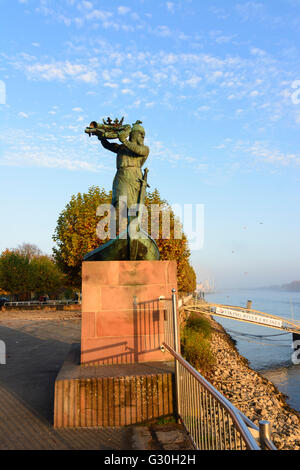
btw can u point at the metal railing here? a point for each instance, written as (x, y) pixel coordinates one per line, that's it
(37, 302)
(211, 420)
(168, 321)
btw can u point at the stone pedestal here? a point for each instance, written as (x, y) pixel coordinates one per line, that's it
(122, 318)
(119, 375)
(115, 395)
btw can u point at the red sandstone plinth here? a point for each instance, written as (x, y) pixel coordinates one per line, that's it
(122, 316)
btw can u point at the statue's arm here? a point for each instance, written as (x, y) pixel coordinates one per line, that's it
(140, 150)
(109, 146)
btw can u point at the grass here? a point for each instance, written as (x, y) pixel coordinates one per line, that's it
(199, 324)
(195, 343)
(166, 420)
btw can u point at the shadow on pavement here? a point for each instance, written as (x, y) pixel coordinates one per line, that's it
(35, 351)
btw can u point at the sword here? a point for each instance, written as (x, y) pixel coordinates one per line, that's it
(144, 185)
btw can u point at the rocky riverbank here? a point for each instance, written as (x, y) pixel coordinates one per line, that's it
(249, 391)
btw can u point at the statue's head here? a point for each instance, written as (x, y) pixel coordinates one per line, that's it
(137, 133)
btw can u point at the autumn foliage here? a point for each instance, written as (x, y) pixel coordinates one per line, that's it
(172, 248)
(25, 271)
(75, 235)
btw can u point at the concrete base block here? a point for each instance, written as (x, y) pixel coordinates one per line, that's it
(122, 317)
(114, 395)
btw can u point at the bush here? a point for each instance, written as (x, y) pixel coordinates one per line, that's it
(201, 324)
(25, 271)
(195, 344)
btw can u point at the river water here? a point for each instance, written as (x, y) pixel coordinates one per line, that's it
(269, 351)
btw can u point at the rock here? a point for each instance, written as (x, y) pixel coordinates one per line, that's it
(171, 437)
(295, 419)
(141, 438)
(264, 413)
(253, 394)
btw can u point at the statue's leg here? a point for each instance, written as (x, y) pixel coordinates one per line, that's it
(134, 186)
(126, 190)
(120, 200)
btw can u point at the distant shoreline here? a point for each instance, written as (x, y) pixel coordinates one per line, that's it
(291, 287)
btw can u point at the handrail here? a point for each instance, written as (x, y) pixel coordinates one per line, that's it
(211, 420)
(46, 302)
(269, 444)
(236, 416)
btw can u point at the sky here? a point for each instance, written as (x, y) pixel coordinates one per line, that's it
(217, 87)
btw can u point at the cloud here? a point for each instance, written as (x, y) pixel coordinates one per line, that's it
(86, 5)
(88, 77)
(219, 147)
(60, 12)
(97, 15)
(193, 81)
(127, 91)
(264, 153)
(23, 115)
(123, 10)
(63, 149)
(221, 79)
(38, 159)
(220, 38)
(58, 71)
(257, 51)
(110, 85)
(170, 7)
(251, 10)
(163, 31)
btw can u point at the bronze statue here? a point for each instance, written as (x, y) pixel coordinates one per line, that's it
(131, 156)
(129, 189)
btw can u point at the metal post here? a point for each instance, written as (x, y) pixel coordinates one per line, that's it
(176, 347)
(264, 433)
(175, 322)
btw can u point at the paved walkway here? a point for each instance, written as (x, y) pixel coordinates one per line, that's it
(36, 350)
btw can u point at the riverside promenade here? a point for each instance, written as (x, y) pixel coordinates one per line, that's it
(36, 346)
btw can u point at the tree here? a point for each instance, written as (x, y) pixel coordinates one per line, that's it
(29, 250)
(15, 274)
(46, 278)
(172, 248)
(25, 271)
(75, 235)
(188, 279)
